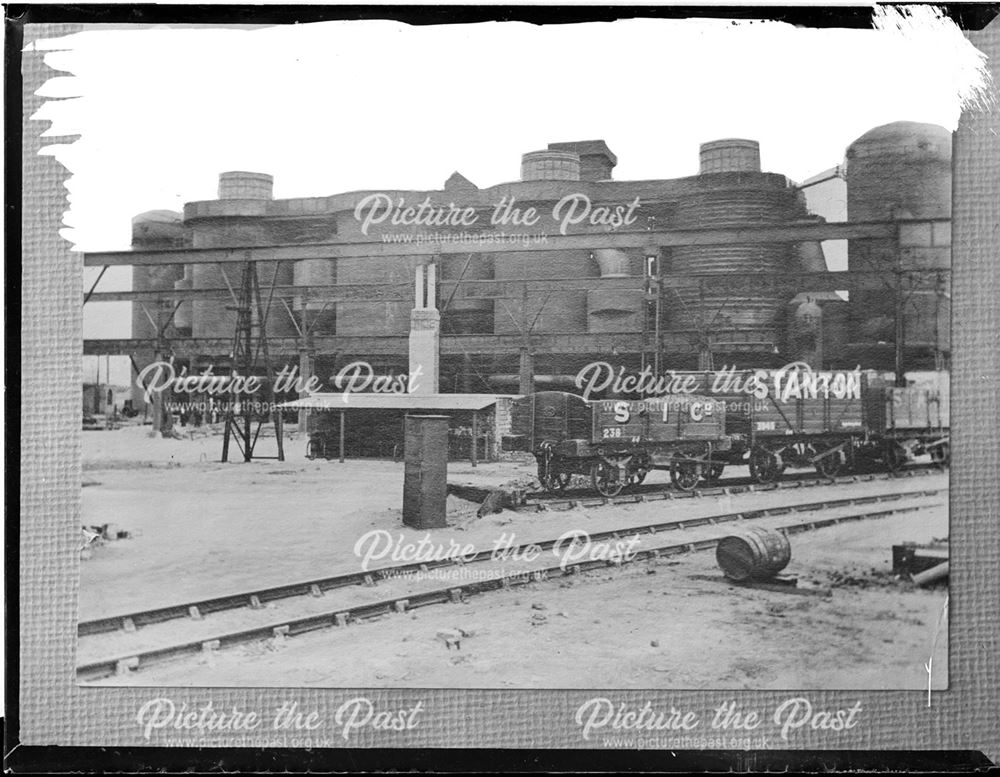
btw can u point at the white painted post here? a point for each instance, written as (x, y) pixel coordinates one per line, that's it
(432, 286)
(418, 287)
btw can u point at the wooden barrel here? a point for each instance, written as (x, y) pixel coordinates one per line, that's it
(755, 554)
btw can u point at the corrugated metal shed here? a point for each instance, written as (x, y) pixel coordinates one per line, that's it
(349, 401)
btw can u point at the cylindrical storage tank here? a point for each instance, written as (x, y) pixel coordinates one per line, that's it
(558, 312)
(550, 166)
(425, 471)
(182, 318)
(156, 229)
(901, 169)
(315, 312)
(732, 155)
(734, 200)
(465, 316)
(753, 554)
(611, 309)
(239, 185)
(159, 229)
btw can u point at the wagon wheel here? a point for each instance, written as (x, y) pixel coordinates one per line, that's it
(604, 477)
(556, 481)
(765, 466)
(685, 473)
(894, 456)
(832, 465)
(941, 455)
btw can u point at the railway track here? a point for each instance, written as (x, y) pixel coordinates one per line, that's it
(572, 498)
(341, 616)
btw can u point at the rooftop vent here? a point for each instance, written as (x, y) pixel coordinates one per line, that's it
(238, 185)
(732, 155)
(550, 166)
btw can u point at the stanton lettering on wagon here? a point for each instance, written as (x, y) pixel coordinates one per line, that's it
(796, 380)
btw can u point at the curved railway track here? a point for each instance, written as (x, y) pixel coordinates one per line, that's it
(341, 616)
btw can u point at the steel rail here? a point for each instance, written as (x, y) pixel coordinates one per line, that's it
(316, 587)
(341, 617)
(541, 500)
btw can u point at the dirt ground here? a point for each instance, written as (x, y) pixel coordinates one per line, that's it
(200, 528)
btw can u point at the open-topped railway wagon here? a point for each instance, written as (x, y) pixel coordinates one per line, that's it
(842, 422)
(617, 441)
(836, 422)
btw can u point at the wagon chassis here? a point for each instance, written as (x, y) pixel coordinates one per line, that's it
(612, 468)
(829, 454)
(901, 445)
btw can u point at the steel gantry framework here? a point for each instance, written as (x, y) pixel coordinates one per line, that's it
(898, 279)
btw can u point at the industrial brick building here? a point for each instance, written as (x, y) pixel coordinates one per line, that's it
(514, 316)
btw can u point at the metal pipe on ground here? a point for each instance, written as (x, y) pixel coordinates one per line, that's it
(930, 575)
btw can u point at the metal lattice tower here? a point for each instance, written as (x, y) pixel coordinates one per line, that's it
(250, 357)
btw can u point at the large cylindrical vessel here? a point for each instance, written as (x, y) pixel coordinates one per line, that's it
(156, 229)
(732, 155)
(734, 200)
(235, 219)
(900, 170)
(611, 309)
(550, 165)
(241, 185)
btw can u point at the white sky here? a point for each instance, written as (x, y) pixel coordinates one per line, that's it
(339, 106)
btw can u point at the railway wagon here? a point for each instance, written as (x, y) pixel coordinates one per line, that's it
(617, 441)
(807, 419)
(908, 421)
(770, 420)
(841, 421)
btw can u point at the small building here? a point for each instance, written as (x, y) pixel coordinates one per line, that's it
(370, 425)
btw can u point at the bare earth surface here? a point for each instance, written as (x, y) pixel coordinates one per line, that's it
(201, 528)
